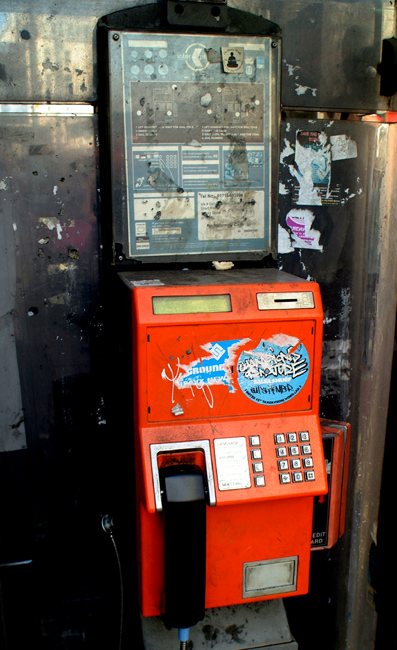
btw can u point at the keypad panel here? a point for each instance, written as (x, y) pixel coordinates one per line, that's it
(294, 457)
(293, 454)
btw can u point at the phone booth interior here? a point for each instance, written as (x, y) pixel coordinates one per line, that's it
(226, 366)
(226, 388)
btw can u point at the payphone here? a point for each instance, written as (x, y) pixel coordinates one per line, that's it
(226, 367)
(228, 444)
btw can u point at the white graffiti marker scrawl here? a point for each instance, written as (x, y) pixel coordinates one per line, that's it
(214, 370)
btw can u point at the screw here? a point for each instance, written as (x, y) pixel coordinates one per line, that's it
(274, 44)
(116, 37)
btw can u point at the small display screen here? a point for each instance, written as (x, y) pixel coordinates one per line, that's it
(219, 303)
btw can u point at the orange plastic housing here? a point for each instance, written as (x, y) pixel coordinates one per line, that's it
(245, 380)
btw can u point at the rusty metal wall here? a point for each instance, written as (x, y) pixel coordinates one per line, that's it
(53, 418)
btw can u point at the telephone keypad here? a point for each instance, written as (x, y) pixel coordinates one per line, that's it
(299, 455)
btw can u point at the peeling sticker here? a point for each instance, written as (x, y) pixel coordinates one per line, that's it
(342, 147)
(201, 374)
(313, 166)
(275, 371)
(303, 235)
(314, 155)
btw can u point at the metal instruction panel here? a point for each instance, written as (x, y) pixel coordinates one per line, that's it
(193, 131)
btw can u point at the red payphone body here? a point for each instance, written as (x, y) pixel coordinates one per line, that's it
(226, 373)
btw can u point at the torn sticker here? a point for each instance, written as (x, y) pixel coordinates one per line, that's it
(302, 234)
(275, 371)
(313, 166)
(212, 370)
(284, 241)
(342, 147)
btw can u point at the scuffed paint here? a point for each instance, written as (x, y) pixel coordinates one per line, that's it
(291, 69)
(336, 357)
(60, 299)
(60, 268)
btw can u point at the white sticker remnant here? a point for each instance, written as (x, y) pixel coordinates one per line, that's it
(313, 166)
(52, 224)
(302, 90)
(232, 463)
(302, 234)
(284, 241)
(342, 147)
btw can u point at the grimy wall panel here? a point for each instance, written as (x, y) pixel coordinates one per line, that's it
(331, 50)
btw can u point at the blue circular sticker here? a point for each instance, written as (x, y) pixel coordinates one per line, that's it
(275, 371)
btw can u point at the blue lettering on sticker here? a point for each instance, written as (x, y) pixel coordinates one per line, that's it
(275, 371)
(215, 369)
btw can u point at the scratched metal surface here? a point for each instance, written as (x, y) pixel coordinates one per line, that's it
(331, 50)
(338, 228)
